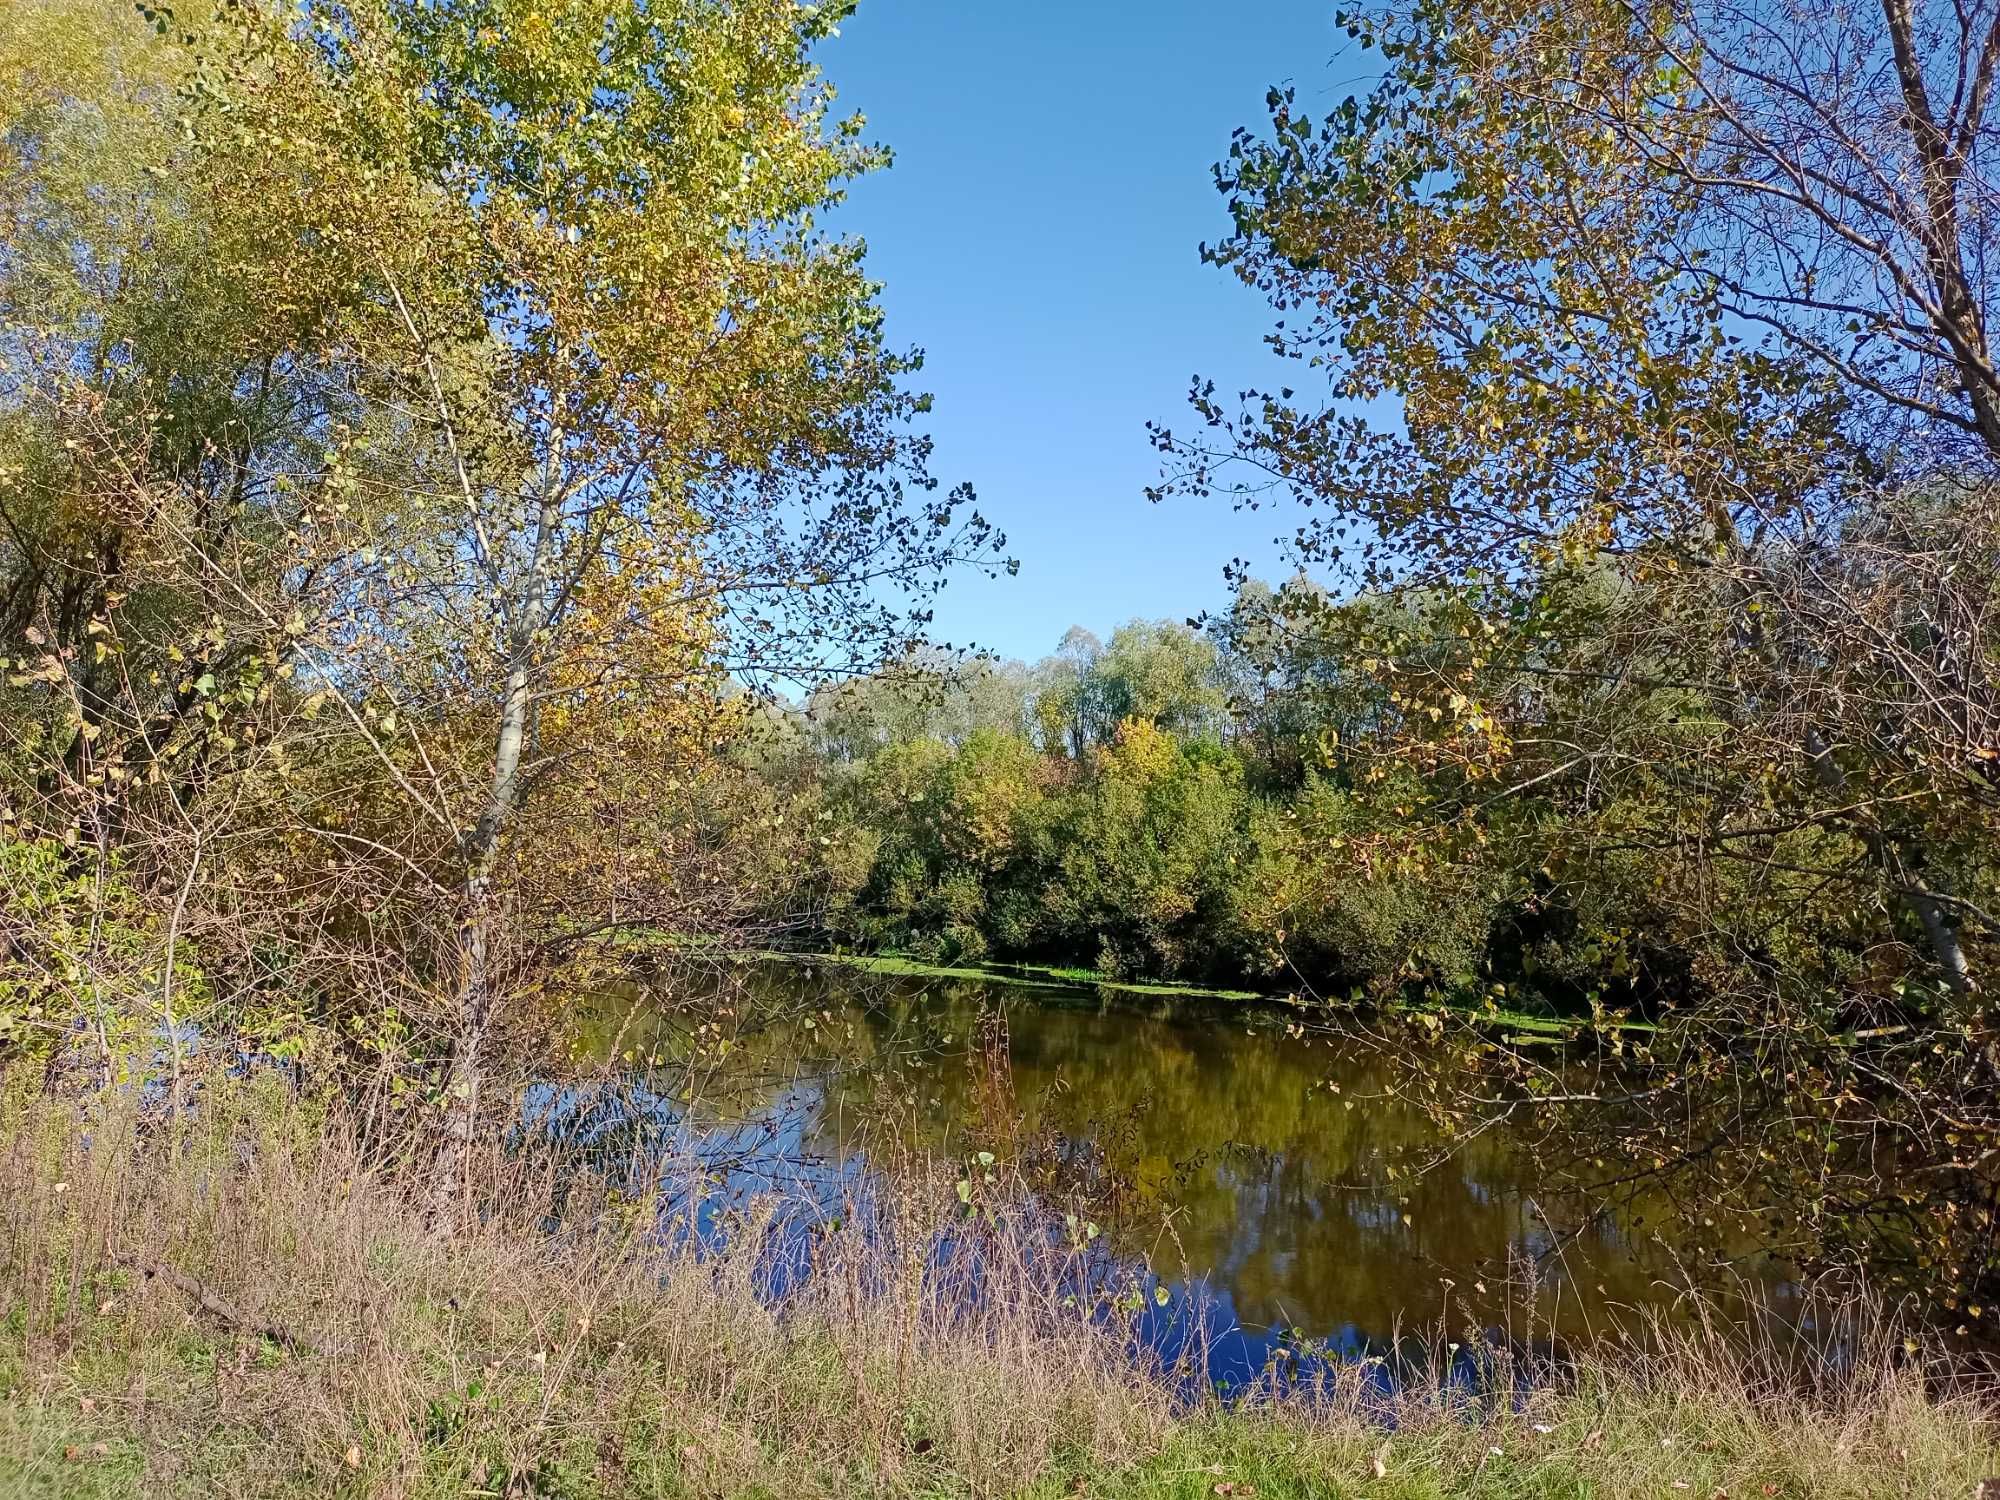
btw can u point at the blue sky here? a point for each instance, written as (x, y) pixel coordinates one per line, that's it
(1038, 236)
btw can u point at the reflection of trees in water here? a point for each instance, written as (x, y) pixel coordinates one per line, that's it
(1273, 1167)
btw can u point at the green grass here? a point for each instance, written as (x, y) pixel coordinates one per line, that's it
(642, 1432)
(1021, 975)
(1523, 1027)
(50, 1448)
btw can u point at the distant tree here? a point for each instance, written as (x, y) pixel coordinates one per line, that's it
(1162, 671)
(1153, 670)
(1299, 698)
(1068, 716)
(926, 694)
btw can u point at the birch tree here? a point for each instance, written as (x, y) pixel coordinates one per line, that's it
(584, 430)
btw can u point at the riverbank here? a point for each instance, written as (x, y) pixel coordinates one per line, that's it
(1510, 1021)
(247, 1305)
(1521, 1026)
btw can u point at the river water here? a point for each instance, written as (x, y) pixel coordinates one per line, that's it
(1265, 1177)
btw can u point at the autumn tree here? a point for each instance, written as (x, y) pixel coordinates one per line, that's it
(159, 403)
(576, 418)
(1678, 314)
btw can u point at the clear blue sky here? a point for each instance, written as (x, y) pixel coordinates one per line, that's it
(1039, 237)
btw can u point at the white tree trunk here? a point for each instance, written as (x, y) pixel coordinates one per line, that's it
(474, 1002)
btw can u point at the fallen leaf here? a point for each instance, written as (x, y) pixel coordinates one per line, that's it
(1381, 1464)
(353, 1456)
(98, 1450)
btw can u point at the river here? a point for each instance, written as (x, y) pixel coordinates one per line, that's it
(1274, 1180)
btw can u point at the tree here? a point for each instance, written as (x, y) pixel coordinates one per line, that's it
(160, 400)
(1300, 700)
(929, 693)
(1142, 853)
(1682, 310)
(1155, 670)
(1162, 671)
(581, 413)
(1068, 716)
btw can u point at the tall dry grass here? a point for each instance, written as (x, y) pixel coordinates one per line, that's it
(150, 1277)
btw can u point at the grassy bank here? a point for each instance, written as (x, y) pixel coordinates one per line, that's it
(1520, 1025)
(1023, 975)
(248, 1306)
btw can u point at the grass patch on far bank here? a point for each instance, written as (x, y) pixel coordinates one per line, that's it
(1024, 976)
(1525, 1027)
(1520, 1026)
(501, 1359)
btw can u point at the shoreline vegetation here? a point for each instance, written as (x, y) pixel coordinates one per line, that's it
(600, 1362)
(1056, 979)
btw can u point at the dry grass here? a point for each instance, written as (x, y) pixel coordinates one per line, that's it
(507, 1360)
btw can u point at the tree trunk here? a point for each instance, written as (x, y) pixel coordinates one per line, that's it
(1942, 933)
(1939, 930)
(473, 1003)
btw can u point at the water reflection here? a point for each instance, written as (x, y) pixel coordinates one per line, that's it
(1263, 1176)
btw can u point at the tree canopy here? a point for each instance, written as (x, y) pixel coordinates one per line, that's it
(414, 415)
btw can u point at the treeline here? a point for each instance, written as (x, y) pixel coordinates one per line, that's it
(1169, 803)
